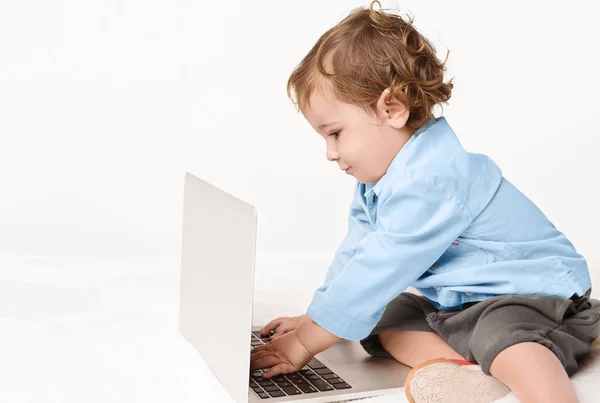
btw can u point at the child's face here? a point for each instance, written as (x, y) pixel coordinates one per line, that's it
(361, 144)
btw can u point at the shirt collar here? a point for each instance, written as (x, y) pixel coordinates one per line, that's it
(370, 189)
(376, 188)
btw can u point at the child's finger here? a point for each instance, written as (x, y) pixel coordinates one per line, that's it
(258, 349)
(281, 330)
(282, 368)
(266, 361)
(272, 325)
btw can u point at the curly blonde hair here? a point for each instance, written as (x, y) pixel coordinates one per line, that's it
(367, 52)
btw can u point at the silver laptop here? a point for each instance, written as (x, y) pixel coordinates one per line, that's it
(217, 290)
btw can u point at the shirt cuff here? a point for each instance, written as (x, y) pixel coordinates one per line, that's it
(332, 319)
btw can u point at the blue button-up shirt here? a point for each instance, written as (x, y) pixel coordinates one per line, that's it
(448, 223)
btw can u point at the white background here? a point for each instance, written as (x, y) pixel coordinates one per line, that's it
(104, 105)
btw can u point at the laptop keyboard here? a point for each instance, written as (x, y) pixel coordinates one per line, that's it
(312, 378)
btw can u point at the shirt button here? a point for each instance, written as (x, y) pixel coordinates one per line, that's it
(454, 243)
(469, 293)
(438, 288)
(434, 265)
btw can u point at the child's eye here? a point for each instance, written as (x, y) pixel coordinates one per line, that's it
(336, 134)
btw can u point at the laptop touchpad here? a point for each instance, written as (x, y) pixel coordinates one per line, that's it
(346, 352)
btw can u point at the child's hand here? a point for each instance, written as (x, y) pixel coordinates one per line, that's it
(283, 325)
(284, 355)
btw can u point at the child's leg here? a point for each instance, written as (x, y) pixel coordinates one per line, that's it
(412, 347)
(533, 373)
(403, 333)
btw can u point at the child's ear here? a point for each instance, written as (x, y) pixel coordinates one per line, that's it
(392, 110)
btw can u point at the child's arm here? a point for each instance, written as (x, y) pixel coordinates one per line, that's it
(417, 218)
(314, 338)
(358, 227)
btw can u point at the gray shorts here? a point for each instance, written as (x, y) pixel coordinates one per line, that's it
(481, 330)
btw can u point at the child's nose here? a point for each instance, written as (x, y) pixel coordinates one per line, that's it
(332, 154)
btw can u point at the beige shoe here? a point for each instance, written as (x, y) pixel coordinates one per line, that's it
(450, 381)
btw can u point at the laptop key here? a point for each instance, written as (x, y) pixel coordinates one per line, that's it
(329, 376)
(323, 371)
(265, 383)
(272, 388)
(306, 372)
(291, 390)
(342, 386)
(314, 364)
(258, 336)
(284, 384)
(298, 381)
(335, 380)
(306, 388)
(277, 393)
(257, 389)
(279, 378)
(313, 377)
(321, 385)
(263, 395)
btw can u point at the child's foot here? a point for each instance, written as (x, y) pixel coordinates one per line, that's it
(448, 381)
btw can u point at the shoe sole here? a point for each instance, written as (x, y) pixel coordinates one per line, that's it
(465, 377)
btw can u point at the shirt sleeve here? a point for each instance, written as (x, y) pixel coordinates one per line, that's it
(417, 219)
(358, 227)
